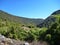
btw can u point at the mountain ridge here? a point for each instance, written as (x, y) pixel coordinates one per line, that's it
(23, 20)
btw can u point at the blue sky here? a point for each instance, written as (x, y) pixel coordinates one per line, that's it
(30, 8)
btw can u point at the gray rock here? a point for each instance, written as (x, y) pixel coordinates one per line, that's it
(26, 43)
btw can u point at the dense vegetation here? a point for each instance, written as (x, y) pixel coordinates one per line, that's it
(18, 31)
(52, 35)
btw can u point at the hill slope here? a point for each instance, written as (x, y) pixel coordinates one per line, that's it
(21, 20)
(49, 20)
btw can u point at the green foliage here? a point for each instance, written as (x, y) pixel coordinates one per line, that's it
(52, 35)
(48, 37)
(15, 31)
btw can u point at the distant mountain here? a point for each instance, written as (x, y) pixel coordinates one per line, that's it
(56, 12)
(4, 15)
(49, 20)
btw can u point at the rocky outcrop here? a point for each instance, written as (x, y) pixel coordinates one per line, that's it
(8, 41)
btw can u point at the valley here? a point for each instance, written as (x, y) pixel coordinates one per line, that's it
(31, 30)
